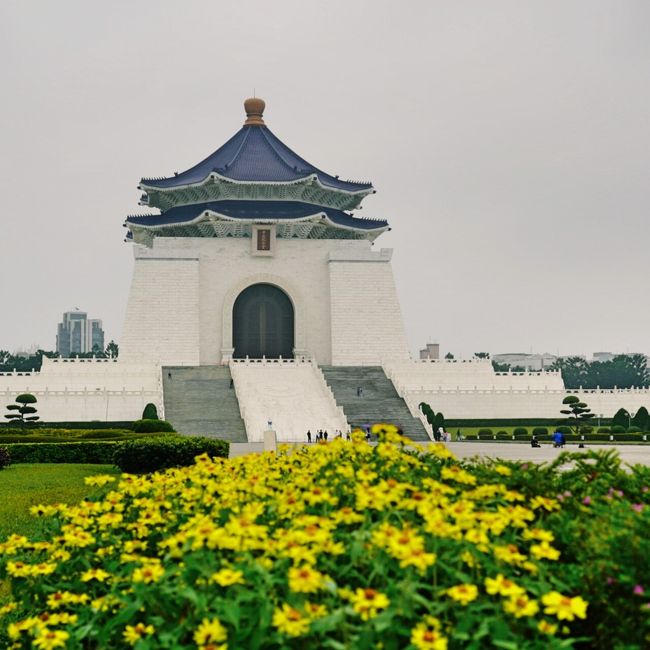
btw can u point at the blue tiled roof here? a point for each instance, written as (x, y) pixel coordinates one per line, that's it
(255, 210)
(255, 154)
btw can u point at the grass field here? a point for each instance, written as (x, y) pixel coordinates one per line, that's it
(25, 485)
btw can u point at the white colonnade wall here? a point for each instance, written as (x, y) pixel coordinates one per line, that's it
(71, 390)
(472, 389)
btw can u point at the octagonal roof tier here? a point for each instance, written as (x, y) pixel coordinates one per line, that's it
(254, 155)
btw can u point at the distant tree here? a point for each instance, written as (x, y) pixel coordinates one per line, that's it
(482, 355)
(22, 411)
(449, 355)
(574, 370)
(500, 367)
(621, 418)
(112, 350)
(577, 412)
(150, 412)
(641, 419)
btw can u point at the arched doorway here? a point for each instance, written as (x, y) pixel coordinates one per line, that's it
(262, 323)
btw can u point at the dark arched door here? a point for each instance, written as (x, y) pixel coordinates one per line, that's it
(262, 323)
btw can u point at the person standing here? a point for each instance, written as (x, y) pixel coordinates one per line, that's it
(308, 436)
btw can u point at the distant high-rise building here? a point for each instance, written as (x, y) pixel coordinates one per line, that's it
(77, 333)
(431, 351)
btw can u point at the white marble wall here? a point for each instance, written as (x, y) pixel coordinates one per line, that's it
(87, 389)
(184, 289)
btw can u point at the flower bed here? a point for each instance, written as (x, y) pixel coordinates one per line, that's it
(341, 545)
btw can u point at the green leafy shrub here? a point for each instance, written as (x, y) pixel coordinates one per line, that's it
(503, 435)
(471, 436)
(485, 432)
(619, 428)
(153, 426)
(521, 436)
(540, 431)
(587, 429)
(564, 429)
(604, 430)
(518, 431)
(142, 456)
(5, 457)
(628, 437)
(63, 452)
(203, 550)
(150, 412)
(634, 429)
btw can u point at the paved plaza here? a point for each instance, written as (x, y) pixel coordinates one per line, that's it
(630, 454)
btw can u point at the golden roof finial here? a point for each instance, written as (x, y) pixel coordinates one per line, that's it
(254, 107)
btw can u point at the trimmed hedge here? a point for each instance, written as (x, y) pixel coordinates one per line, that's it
(522, 436)
(503, 435)
(493, 423)
(142, 456)
(618, 428)
(153, 426)
(540, 431)
(604, 430)
(63, 452)
(70, 437)
(94, 424)
(5, 457)
(518, 431)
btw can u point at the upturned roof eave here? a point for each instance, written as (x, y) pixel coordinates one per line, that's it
(204, 214)
(216, 176)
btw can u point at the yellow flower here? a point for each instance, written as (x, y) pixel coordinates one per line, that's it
(503, 470)
(63, 598)
(464, 593)
(502, 586)
(314, 610)
(133, 633)
(149, 572)
(520, 605)
(368, 602)
(546, 628)
(426, 635)
(544, 502)
(95, 574)
(9, 607)
(227, 577)
(564, 607)
(544, 551)
(304, 579)
(290, 621)
(210, 632)
(50, 639)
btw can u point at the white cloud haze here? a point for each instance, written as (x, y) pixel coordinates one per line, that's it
(509, 143)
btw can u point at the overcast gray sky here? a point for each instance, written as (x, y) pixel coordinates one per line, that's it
(509, 143)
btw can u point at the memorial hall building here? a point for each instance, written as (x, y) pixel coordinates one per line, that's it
(261, 299)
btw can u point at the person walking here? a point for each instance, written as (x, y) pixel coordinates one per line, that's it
(308, 436)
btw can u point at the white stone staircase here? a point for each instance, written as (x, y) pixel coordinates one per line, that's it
(292, 394)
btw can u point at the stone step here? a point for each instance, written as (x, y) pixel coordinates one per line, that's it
(379, 401)
(199, 400)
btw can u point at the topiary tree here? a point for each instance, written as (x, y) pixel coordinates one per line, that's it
(22, 413)
(578, 413)
(430, 415)
(641, 419)
(438, 422)
(621, 418)
(150, 412)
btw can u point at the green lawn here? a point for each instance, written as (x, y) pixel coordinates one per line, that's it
(25, 485)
